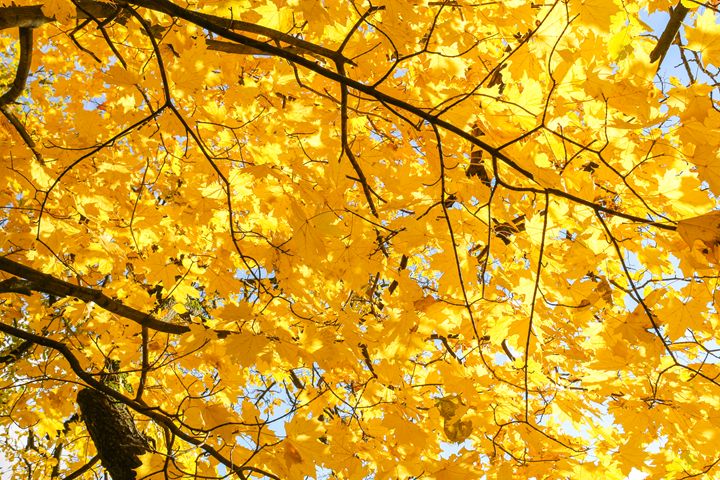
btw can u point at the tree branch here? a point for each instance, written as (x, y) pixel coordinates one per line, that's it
(23, 69)
(33, 16)
(677, 15)
(42, 282)
(18, 85)
(302, 45)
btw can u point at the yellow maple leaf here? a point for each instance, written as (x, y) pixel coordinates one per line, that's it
(704, 37)
(61, 10)
(702, 234)
(152, 468)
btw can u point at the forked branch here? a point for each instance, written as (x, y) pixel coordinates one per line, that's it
(17, 87)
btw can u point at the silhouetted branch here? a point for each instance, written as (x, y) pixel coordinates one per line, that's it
(33, 16)
(677, 15)
(18, 85)
(42, 282)
(23, 69)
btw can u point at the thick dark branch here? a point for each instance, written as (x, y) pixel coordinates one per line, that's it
(23, 69)
(15, 353)
(230, 24)
(18, 85)
(42, 282)
(20, 128)
(232, 47)
(677, 15)
(15, 285)
(33, 16)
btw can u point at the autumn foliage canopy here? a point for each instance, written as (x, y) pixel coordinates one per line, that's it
(291, 239)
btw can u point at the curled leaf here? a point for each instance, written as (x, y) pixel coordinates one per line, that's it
(702, 234)
(458, 431)
(448, 406)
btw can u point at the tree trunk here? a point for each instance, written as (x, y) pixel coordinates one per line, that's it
(112, 429)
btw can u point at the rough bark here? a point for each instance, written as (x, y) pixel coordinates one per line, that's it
(111, 426)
